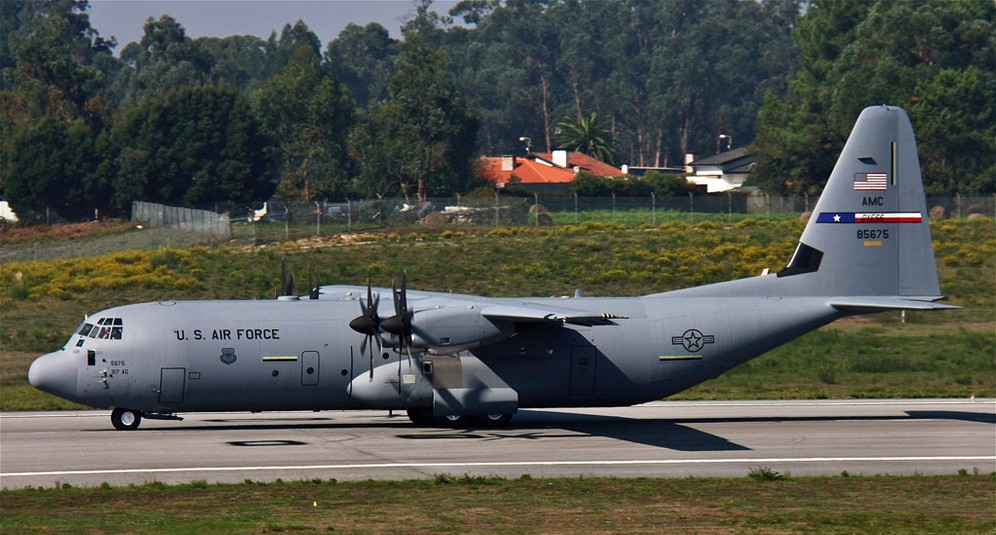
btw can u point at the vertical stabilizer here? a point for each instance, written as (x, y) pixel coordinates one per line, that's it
(869, 233)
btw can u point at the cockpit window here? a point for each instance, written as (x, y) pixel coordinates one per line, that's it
(105, 329)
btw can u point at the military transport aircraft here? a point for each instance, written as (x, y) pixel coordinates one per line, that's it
(452, 359)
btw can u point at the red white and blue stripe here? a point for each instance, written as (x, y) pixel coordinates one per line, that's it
(869, 217)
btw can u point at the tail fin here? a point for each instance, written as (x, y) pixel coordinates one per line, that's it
(869, 236)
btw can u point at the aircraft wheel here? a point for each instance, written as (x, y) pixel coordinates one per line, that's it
(125, 419)
(496, 420)
(456, 420)
(421, 417)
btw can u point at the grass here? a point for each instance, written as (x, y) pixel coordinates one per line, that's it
(950, 353)
(471, 504)
(468, 504)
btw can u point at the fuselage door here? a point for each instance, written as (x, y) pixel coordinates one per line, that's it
(583, 359)
(171, 384)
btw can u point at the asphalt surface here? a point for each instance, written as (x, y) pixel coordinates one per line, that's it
(661, 439)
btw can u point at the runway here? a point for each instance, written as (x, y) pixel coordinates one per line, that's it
(660, 439)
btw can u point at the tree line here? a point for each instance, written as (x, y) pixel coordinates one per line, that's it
(199, 121)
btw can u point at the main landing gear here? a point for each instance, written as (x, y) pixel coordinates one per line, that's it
(125, 419)
(425, 418)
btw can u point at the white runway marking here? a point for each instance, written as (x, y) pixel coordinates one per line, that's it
(522, 464)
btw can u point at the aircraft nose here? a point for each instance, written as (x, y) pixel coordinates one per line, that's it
(54, 373)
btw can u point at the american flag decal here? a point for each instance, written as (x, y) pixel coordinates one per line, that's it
(870, 181)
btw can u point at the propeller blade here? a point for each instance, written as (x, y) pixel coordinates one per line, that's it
(283, 274)
(313, 289)
(371, 362)
(286, 282)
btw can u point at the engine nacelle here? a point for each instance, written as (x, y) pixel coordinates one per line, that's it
(449, 330)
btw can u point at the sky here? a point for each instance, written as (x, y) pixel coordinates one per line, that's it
(124, 19)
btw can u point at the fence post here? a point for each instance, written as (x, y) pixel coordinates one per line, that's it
(805, 196)
(575, 208)
(729, 208)
(496, 209)
(536, 207)
(653, 208)
(318, 219)
(957, 205)
(691, 208)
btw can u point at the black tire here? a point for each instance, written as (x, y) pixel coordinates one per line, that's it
(456, 421)
(125, 419)
(496, 420)
(421, 417)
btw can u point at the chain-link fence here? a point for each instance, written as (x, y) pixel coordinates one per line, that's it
(277, 220)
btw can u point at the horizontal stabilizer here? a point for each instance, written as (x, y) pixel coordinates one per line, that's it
(876, 303)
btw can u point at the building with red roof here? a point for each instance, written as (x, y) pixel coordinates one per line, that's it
(544, 171)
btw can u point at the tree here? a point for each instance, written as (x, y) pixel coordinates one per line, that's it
(422, 137)
(54, 67)
(163, 61)
(196, 146)
(50, 168)
(588, 135)
(240, 60)
(310, 115)
(934, 59)
(53, 55)
(510, 64)
(362, 58)
(955, 115)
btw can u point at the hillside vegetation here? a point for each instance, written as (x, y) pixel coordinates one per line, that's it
(948, 353)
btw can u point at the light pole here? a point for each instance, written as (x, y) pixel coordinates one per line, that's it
(729, 142)
(528, 143)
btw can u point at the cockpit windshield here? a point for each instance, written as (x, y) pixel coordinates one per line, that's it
(103, 329)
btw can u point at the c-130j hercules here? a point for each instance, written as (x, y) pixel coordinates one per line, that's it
(449, 358)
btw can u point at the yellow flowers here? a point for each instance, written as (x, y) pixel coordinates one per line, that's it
(60, 279)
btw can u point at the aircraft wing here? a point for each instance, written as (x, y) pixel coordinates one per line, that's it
(529, 313)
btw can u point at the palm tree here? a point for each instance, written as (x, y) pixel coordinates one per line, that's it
(588, 135)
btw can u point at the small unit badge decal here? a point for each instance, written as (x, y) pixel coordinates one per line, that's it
(228, 355)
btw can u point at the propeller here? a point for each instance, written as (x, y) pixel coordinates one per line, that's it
(314, 289)
(401, 322)
(368, 323)
(286, 283)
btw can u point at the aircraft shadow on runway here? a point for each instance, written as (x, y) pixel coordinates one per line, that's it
(675, 434)
(541, 425)
(533, 425)
(981, 417)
